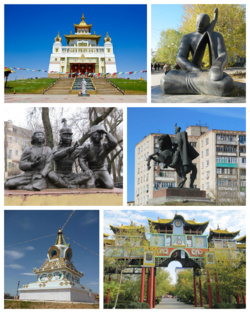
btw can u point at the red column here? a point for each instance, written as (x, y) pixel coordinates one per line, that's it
(238, 298)
(217, 288)
(142, 284)
(209, 290)
(154, 287)
(195, 294)
(200, 287)
(243, 295)
(148, 287)
(151, 287)
(107, 299)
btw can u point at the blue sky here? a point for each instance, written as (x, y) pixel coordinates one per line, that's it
(23, 225)
(143, 121)
(164, 16)
(233, 220)
(36, 26)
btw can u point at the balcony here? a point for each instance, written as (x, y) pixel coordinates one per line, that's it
(164, 179)
(79, 50)
(220, 176)
(226, 142)
(226, 153)
(242, 154)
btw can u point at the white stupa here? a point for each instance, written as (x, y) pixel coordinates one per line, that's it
(57, 278)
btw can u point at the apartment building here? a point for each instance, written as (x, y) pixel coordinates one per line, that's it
(15, 140)
(221, 164)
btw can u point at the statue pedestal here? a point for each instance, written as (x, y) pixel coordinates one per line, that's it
(64, 197)
(178, 194)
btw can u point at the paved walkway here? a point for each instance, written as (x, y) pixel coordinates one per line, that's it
(38, 98)
(168, 303)
(157, 96)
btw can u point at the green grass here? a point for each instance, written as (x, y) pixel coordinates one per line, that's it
(132, 85)
(36, 85)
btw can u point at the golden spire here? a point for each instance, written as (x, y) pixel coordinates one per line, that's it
(107, 38)
(59, 241)
(83, 22)
(83, 18)
(58, 38)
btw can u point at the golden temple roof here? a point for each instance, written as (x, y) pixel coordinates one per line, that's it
(241, 245)
(167, 221)
(82, 36)
(83, 23)
(105, 235)
(241, 238)
(220, 231)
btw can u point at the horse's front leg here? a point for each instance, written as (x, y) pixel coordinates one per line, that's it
(151, 157)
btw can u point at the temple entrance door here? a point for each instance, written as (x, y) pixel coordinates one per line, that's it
(83, 68)
(91, 68)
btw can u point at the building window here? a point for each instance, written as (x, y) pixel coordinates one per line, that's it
(138, 170)
(230, 160)
(138, 181)
(109, 60)
(207, 162)
(242, 139)
(10, 139)
(207, 185)
(147, 144)
(147, 198)
(202, 154)
(10, 153)
(16, 140)
(55, 59)
(207, 174)
(193, 144)
(218, 171)
(16, 152)
(243, 160)
(202, 164)
(207, 141)
(207, 151)
(108, 50)
(202, 175)
(202, 143)
(138, 150)
(9, 164)
(56, 49)
(138, 160)
(202, 187)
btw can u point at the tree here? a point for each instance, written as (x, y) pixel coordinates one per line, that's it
(168, 46)
(230, 266)
(231, 24)
(129, 242)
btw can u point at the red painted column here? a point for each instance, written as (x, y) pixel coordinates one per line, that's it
(142, 284)
(200, 287)
(238, 298)
(154, 287)
(195, 294)
(210, 301)
(151, 287)
(217, 288)
(148, 287)
(107, 299)
(243, 295)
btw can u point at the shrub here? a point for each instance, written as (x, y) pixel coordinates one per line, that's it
(157, 301)
(229, 306)
(144, 305)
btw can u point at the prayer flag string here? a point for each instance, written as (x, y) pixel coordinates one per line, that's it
(81, 245)
(68, 219)
(30, 240)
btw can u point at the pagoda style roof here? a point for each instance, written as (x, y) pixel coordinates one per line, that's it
(241, 245)
(58, 264)
(105, 235)
(117, 229)
(222, 233)
(109, 242)
(242, 239)
(82, 36)
(83, 24)
(165, 222)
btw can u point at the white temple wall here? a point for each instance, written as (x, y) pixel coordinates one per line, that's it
(111, 68)
(54, 67)
(57, 295)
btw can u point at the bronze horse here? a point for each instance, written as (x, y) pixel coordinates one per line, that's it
(165, 155)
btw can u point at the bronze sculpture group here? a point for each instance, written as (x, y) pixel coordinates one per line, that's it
(191, 79)
(177, 154)
(36, 162)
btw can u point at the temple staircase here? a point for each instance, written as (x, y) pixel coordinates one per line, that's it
(105, 88)
(61, 87)
(78, 82)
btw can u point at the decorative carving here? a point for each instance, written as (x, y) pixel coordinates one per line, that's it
(196, 252)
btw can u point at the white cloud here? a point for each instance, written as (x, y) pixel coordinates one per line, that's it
(29, 248)
(89, 218)
(29, 274)
(15, 266)
(13, 255)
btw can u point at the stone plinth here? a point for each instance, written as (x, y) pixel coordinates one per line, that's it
(178, 194)
(63, 294)
(65, 197)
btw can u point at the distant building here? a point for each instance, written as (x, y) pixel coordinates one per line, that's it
(16, 139)
(130, 203)
(221, 165)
